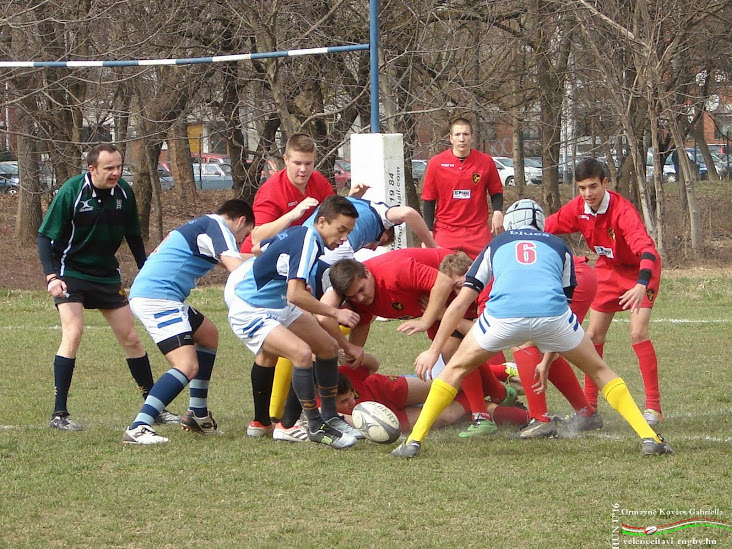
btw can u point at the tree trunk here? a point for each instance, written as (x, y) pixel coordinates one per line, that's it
(29, 215)
(179, 153)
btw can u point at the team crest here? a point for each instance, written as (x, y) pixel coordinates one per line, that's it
(476, 178)
(611, 232)
(119, 203)
(397, 306)
(651, 295)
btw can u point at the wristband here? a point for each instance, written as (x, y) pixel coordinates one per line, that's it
(54, 277)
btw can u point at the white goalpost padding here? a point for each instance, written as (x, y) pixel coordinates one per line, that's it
(377, 159)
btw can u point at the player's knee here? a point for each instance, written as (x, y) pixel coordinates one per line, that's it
(302, 356)
(326, 348)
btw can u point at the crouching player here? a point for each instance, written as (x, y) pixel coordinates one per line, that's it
(267, 315)
(533, 278)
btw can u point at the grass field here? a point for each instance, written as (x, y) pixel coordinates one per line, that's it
(86, 490)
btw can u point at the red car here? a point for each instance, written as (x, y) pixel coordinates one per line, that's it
(342, 173)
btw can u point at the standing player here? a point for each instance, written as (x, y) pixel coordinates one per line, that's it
(77, 242)
(628, 271)
(186, 338)
(289, 196)
(456, 186)
(533, 277)
(267, 315)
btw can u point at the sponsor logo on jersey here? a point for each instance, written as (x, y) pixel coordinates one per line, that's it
(397, 306)
(461, 194)
(607, 252)
(651, 295)
(476, 178)
(447, 165)
(585, 217)
(119, 203)
(611, 232)
(86, 206)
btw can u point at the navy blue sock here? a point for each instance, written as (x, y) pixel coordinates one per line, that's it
(302, 382)
(169, 386)
(326, 374)
(262, 381)
(141, 373)
(63, 371)
(199, 384)
(293, 409)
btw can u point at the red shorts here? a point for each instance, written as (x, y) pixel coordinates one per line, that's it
(586, 288)
(613, 282)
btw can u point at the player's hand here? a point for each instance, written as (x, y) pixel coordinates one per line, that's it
(299, 210)
(57, 288)
(633, 298)
(358, 189)
(412, 327)
(353, 356)
(541, 374)
(497, 223)
(424, 363)
(347, 317)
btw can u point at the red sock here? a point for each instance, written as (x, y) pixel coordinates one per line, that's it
(526, 361)
(590, 387)
(509, 415)
(649, 371)
(563, 378)
(472, 387)
(499, 370)
(490, 384)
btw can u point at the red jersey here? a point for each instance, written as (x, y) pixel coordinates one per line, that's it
(400, 278)
(460, 189)
(278, 196)
(616, 232)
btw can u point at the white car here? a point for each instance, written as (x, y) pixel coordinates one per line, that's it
(505, 171)
(531, 172)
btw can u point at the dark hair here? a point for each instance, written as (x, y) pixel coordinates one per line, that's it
(336, 205)
(344, 273)
(344, 385)
(391, 235)
(92, 157)
(300, 142)
(235, 208)
(461, 121)
(589, 168)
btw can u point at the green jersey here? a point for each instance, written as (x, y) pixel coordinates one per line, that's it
(86, 226)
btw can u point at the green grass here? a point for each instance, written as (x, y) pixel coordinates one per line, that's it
(87, 490)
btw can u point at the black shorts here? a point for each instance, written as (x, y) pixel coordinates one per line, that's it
(93, 295)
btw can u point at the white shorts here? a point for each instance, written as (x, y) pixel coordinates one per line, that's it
(236, 276)
(549, 333)
(253, 324)
(162, 318)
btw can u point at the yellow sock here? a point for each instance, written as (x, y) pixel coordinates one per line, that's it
(617, 394)
(440, 396)
(280, 387)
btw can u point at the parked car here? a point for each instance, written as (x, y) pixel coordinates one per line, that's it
(419, 167)
(342, 173)
(211, 158)
(212, 176)
(505, 172)
(9, 177)
(532, 169)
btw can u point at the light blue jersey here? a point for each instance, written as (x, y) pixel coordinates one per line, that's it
(370, 224)
(293, 253)
(186, 254)
(533, 275)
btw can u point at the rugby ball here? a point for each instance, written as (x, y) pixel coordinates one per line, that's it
(376, 421)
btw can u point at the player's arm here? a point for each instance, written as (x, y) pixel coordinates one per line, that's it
(450, 321)
(268, 230)
(354, 352)
(541, 372)
(441, 290)
(231, 262)
(634, 232)
(497, 218)
(137, 247)
(55, 286)
(410, 216)
(298, 295)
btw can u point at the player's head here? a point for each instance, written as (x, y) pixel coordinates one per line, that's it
(455, 266)
(591, 182)
(351, 280)
(336, 218)
(345, 399)
(387, 237)
(524, 213)
(299, 158)
(239, 216)
(104, 162)
(461, 136)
